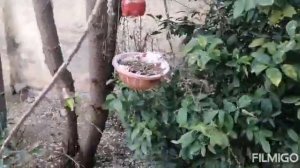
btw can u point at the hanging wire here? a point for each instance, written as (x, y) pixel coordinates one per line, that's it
(182, 4)
(140, 34)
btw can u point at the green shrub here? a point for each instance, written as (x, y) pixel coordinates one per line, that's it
(248, 54)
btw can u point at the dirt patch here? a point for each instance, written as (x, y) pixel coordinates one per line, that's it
(45, 128)
(142, 68)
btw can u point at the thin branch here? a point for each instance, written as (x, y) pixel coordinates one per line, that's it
(54, 79)
(96, 127)
(182, 4)
(169, 28)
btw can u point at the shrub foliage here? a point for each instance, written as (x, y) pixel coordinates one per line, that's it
(247, 52)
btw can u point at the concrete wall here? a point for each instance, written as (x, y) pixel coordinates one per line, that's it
(70, 19)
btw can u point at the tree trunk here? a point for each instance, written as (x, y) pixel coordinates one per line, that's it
(102, 42)
(3, 110)
(54, 58)
(11, 44)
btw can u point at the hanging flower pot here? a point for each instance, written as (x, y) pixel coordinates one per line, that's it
(133, 7)
(141, 71)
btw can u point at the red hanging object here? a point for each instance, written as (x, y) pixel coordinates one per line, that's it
(133, 7)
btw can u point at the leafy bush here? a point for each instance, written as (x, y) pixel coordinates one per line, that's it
(247, 52)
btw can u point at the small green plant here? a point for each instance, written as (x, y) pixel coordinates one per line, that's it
(248, 54)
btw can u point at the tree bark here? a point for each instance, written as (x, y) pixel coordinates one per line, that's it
(3, 109)
(102, 44)
(54, 58)
(11, 44)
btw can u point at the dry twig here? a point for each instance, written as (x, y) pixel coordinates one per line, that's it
(169, 28)
(54, 79)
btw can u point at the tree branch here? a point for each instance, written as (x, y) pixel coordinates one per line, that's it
(54, 79)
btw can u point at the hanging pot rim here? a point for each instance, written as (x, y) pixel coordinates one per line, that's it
(164, 65)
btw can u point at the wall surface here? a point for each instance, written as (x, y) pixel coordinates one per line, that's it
(70, 18)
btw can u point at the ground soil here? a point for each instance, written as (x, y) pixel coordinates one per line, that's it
(45, 127)
(143, 68)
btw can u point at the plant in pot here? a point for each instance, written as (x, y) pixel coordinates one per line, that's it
(141, 71)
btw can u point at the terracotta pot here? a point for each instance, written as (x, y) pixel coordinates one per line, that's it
(137, 81)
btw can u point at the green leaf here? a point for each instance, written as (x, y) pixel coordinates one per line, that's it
(293, 135)
(221, 117)
(232, 40)
(244, 60)
(298, 114)
(209, 116)
(200, 127)
(260, 92)
(165, 117)
(274, 75)
(110, 97)
(250, 4)
(191, 45)
(289, 11)
(257, 42)
(290, 99)
(276, 16)
(135, 132)
(239, 7)
(185, 140)
(203, 151)
(236, 115)
(212, 150)
(266, 133)
(134, 146)
(148, 134)
(202, 41)
(182, 116)
(271, 46)
(290, 71)
(70, 103)
(204, 58)
(249, 135)
(144, 148)
(291, 28)
(244, 101)
(266, 106)
(192, 59)
(290, 45)
(214, 43)
(217, 137)
(265, 145)
(265, 2)
(186, 102)
(257, 68)
(118, 105)
(228, 122)
(228, 106)
(279, 56)
(262, 58)
(201, 96)
(194, 148)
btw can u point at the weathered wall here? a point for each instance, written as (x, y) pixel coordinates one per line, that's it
(70, 18)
